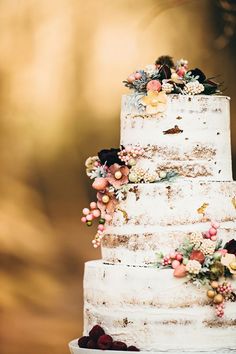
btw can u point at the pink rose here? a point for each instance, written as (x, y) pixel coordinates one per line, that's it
(154, 85)
(100, 183)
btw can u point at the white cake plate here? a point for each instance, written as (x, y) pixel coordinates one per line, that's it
(75, 349)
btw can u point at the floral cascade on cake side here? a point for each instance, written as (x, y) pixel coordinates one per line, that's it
(204, 262)
(113, 171)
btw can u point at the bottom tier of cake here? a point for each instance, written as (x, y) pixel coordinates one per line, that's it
(153, 310)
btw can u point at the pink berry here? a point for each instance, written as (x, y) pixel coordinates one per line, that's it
(108, 217)
(181, 72)
(85, 211)
(93, 205)
(207, 234)
(83, 219)
(101, 227)
(89, 217)
(96, 213)
(137, 76)
(215, 224)
(212, 231)
(223, 251)
(175, 264)
(213, 238)
(172, 255)
(96, 164)
(131, 78)
(179, 257)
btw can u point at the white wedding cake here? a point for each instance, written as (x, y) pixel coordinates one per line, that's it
(166, 205)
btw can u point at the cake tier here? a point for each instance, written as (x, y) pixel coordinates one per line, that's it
(158, 216)
(200, 147)
(153, 310)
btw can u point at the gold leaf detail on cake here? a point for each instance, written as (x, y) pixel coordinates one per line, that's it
(124, 213)
(202, 209)
(233, 200)
(175, 130)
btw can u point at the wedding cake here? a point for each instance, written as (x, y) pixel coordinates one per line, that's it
(166, 211)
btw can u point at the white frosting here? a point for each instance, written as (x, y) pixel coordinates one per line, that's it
(168, 204)
(150, 308)
(202, 150)
(141, 248)
(172, 215)
(142, 305)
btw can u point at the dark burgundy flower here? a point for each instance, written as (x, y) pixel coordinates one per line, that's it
(165, 60)
(83, 342)
(110, 156)
(164, 72)
(231, 246)
(197, 72)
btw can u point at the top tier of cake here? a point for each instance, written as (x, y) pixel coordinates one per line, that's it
(191, 137)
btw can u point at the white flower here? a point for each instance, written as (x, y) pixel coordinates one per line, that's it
(193, 88)
(195, 238)
(193, 267)
(150, 69)
(167, 87)
(207, 246)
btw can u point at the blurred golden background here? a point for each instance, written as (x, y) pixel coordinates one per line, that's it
(61, 67)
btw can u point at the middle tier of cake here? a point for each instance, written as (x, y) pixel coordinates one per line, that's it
(157, 217)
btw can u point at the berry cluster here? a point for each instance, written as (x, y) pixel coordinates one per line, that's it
(129, 154)
(98, 339)
(212, 232)
(219, 293)
(225, 289)
(173, 259)
(93, 213)
(90, 214)
(219, 310)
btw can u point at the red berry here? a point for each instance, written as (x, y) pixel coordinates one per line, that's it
(132, 348)
(83, 341)
(96, 332)
(105, 342)
(92, 344)
(119, 346)
(179, 257)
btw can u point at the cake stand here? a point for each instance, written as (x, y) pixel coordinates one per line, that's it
(75, 349)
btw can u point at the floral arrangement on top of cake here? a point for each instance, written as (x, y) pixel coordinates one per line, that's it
(203, 261)
(111, 171)
(165, 77)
